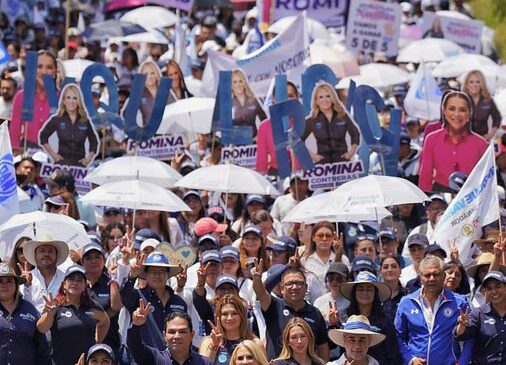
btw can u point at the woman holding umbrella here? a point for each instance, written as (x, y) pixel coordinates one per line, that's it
(452, 148)
(76, 322)
(21, 343)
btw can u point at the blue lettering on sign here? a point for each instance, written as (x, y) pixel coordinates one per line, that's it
(30, 87)
(310, 77)
(7, 177)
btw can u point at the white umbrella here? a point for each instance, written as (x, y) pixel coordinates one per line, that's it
(134, 168)
(188, 115)
(339, 59)
(429, 50)
(151, 36)
(377, 75)
(135, 194)
(376, 191)
(457, 65)
(315, 29)
(151, 17)
(41, 226)
(324, 207)
(499, 101)
(228, 178)
(75, 68)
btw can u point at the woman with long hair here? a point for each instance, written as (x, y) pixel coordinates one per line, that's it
(456, 278)
(178, 89)
(366, 294)
(20, 341)
(233, 204)
(269, 226)
(230, 329)
(73, 128)
(76, 322)
(330, 124)
(166, 227)
(18, 260)
(390, 270)
(46, 65)
(153, 76)
(484, 107)
(251, 248)
(252, 203)
(188, 219)
(245, 107)
(454, 147)
(323, 250)
(111, 237)
(248, 352)
(298, 344)
(128, 68)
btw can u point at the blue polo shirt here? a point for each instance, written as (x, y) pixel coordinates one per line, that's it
(487, 328)
(20, 341)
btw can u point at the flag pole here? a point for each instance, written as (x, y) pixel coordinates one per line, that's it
(500, 223)
(426, 93)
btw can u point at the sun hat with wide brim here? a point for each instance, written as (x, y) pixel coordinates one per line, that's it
(356, 325)
(485, 258)
(158, 259)
(7, 271)
(365, 277)
(62, 249)
(491, 239)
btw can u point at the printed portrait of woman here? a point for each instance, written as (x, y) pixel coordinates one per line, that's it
(153, 76)
(436, 30)
(245, 107)
(77, 139)
(337, 136)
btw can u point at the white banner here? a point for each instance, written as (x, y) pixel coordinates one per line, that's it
(475, 206)
(423, 99)
(331, 175)
(161, 146)
(466, 33)
(286, 54)
(330, 13)
(244, 156)
(77, 172)
(8, 187)
(373, 27)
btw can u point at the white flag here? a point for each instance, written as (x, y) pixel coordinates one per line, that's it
(8, 188)
(423, 99)
(287, 53)
(475, 206)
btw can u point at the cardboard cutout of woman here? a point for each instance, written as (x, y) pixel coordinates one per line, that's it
(331, 126)
(73, 129)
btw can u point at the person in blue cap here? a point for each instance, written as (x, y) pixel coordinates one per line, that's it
(388, 244)
(252, 203)
(156, 270)
(76, 321)
(18, 324)
(99, 354)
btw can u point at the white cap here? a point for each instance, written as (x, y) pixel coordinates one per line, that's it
(252, 13)
(406, 7)
(41, 157)
(501, 193)
(150, 242)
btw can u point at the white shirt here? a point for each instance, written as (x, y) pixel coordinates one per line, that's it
(315, 264)
(35, 293)
(322, 303)
(407, 274)
(342, 361)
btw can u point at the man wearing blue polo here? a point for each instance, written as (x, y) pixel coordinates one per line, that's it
(426, 318)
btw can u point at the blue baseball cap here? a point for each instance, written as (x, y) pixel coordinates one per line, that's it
(226, 279)
(250, 198)
(361, 263)
(418, 239)
(208, 237)
(75, 269)
(282, 244)
(252, 229)
(93, 247)
(210, 255)
(144, 234)
(388, 234)
(101, 347)
(494, 275)
(229, 251)
(366, 232)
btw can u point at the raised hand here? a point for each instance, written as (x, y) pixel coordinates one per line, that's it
(50, 305)
(127, 246)
(454, 250)
(258, 269)
(294, 261)
(333, 313)
(74, 255)
(26, 273)
(81, 360)
(462, 321)
(338, 245)
(140, 315)
(136, 267)
(181, 278)
(202, 274)
(217, 336)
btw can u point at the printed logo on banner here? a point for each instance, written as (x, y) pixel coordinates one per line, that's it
(465, 32)
(327, 176)
(244, 156)
(7, 177)
(373, 27)
(161, 147)
(78, 173)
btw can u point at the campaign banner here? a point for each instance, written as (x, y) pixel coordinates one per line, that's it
(185, 5)
(475, 205)
(466, 33)
(373, 27)
(287, 53)
(423, 99)
(77, 172)
(161, 147)
(244, 156)
(329, 176)
(330, 13)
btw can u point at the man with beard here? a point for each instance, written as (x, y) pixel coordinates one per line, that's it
(8, 88)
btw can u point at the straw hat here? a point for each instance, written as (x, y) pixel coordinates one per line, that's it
(7, 271)
(30, 247)
(490, 239)
(365, 277)
(356, 325)
(485, 258)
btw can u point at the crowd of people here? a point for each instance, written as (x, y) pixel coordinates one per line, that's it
(260, 290)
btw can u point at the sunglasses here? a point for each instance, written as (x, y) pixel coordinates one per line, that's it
(324, 236)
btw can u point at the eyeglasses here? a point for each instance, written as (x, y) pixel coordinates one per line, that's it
(324, 236)
(298, 284)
